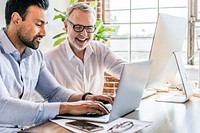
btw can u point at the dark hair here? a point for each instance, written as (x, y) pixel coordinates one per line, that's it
(21, 6)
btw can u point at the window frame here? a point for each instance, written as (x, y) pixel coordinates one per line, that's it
(158, 8)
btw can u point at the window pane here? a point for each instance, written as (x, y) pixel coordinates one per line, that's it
(141, 44)
(117, 16)
(184, 51)
(138, 56)
(117, 4)
(198, 9)
(173, 3)
(197, 42)
(114, 26)
(123, 55)
(180, 12)
(149, 15)
(121, 30)
(140, 3)
(119, 45)
(198, 15)
(143, 30)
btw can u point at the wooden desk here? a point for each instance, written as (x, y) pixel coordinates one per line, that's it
(166, 118)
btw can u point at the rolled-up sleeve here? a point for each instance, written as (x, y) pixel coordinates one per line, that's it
(21, 112)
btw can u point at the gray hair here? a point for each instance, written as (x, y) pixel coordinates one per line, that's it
(80, 6)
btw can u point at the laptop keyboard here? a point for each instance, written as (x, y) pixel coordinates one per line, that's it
(92, 115)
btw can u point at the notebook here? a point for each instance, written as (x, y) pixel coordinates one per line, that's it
(129, 93)
(186, 85)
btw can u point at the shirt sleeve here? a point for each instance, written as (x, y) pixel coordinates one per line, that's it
(50, 89)
(113, 64)
(21, 112)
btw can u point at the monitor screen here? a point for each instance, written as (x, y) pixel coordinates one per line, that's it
(168, 38)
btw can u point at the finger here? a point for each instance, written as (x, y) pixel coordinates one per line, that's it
(106, 99)
(100, 106)
(103, 105)
(113, 98)
(97, 107)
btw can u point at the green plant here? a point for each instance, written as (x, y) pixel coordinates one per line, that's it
(101, 33)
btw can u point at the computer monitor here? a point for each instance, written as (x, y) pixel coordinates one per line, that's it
(168, 38)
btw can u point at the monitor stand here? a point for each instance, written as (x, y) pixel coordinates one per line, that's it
(186, 86)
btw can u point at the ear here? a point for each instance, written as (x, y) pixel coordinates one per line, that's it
(66, 25)
(15, 18)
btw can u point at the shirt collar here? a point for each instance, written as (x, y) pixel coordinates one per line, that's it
(5, 42)
(70, 53)
(9, 48)
(88, 52)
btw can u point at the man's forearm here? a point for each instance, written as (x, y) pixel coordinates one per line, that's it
(75, 97)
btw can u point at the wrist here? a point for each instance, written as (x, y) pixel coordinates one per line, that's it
(84, 97)
(64, 108)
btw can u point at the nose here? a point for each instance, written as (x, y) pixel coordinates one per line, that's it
(42, 31)
(84, 32)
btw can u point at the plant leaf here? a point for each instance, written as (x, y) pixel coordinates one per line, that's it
(59, 16)
(98, 25)
(101, 37)
(59, 35)
(106, 30)
(59, 41)
(56, 10)
(73, 2)
(93, 4)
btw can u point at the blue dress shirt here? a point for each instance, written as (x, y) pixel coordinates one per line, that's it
(20, 76)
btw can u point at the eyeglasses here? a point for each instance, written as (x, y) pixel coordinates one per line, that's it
(118, 128)
(80, 28)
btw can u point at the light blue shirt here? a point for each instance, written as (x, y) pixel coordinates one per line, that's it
(19, 78)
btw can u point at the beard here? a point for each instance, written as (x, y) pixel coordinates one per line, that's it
(78, 47)
(75, 43)
(31, 43)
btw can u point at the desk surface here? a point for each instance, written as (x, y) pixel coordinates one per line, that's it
(166, 118)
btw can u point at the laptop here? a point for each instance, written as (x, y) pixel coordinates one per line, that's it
(186, 85)
(132, 82)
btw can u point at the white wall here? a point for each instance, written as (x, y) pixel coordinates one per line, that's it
(53, 27)
(2, 11)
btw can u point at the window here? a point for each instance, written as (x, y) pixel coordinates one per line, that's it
(196, 31)
(135, 21)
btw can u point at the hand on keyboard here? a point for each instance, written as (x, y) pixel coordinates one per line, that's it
(90, 114)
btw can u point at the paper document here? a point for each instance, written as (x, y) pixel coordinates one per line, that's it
(137, 125)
